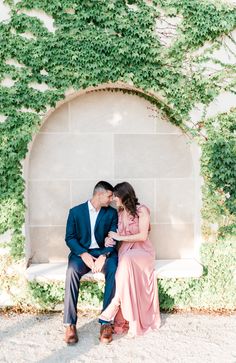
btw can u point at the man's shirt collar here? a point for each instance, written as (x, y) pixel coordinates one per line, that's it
(91, 207)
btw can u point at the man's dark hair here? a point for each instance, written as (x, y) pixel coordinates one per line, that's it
(102, 185)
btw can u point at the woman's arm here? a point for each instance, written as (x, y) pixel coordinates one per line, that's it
(144, 222)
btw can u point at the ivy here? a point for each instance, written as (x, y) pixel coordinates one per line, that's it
(219, 171)
(214, 290)
(104, 42)
(202, 20)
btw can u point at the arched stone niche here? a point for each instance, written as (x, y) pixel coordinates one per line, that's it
(116, 137)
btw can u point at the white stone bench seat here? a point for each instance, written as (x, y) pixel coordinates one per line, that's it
(48, 272)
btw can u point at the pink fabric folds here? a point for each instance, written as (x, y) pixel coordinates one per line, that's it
(135, 306)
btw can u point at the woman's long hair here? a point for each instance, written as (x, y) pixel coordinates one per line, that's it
(126, 193)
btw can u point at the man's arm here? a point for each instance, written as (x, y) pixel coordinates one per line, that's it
(99, 263)
(113, 227)
(71, 237)
(114, 222)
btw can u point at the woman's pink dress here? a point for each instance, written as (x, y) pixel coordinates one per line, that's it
(135, 306)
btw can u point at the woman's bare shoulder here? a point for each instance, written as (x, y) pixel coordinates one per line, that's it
(143, 209)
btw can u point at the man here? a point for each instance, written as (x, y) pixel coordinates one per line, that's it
(87, 228)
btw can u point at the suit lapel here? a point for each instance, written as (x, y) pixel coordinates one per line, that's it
(99, 217)
(87, 218)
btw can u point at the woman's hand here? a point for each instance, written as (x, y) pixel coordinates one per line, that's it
(115, 236)
(109, 242)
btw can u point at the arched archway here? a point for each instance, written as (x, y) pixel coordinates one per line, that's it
(112, 136)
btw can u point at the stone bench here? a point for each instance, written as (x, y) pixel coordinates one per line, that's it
(56, 271)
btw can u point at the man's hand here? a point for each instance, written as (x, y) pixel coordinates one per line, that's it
(109, 242)
(88, 259)
(99, 263)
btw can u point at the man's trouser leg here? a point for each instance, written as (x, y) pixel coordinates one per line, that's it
(110, 283)
(75, 270)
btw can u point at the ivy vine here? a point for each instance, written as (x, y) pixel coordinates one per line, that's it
(100, 42)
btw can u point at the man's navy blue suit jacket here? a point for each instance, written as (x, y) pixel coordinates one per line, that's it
(78, 229)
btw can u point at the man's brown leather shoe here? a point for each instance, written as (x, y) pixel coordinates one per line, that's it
(106, 333)
(71, 336)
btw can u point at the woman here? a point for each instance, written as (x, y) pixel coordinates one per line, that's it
(135, 307)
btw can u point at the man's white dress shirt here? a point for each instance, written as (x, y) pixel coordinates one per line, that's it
(93, 213)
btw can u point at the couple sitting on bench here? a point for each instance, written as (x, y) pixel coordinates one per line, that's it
(100, 239)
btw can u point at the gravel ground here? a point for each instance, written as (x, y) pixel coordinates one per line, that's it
(182, 338)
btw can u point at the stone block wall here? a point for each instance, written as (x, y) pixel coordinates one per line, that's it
(115, 137)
